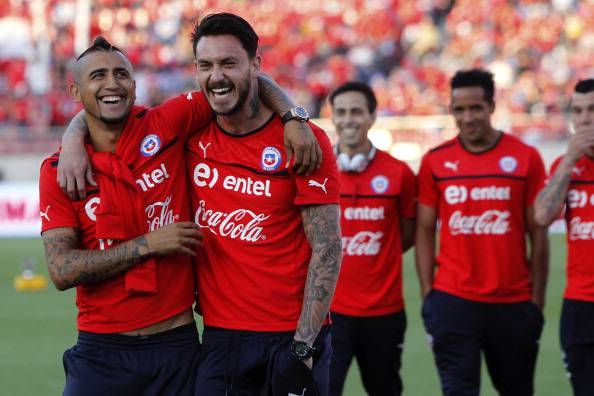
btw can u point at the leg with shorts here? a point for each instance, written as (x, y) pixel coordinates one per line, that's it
(512, 334)
(236, 362)
(343, 344)
(454, 328)
(577, 342)
(121, 365)
(379, 351)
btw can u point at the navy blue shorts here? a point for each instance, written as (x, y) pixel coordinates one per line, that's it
(116, 364)
(376, 342)
(577, 342)
(236, 362)
(506, 333)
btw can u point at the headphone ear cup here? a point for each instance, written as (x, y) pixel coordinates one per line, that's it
(344, 162)
(358, 163)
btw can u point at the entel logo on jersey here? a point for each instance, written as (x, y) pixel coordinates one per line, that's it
(508, 164)
(150, 145)
(380, 184)
(156, 176)
(459, 194)
(205, 176)
(364, 213)
(579, 198)
(271, 158)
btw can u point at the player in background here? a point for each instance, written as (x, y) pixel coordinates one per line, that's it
(272, 237)
(489, 290)
(150, 143)
(378, 209)
(570, 190)
(134, 283)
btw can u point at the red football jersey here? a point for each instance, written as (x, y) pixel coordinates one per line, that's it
(160, 135)
(372, 203)
(248, 205)
(481, 199)
(579, 215)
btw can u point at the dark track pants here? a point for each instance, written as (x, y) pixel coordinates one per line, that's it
(376, 342)
(507, 334)
(577, 342)
(251, 363)
(120, 365)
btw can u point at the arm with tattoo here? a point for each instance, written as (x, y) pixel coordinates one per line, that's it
(70, 266)
(322, 228)
(549, 202)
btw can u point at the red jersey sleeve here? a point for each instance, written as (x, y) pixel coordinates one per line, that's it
(554, 166)
(321, 186)
(56, 209)
(535, 177)
(408, 193)
(185, 114)
(428, 193)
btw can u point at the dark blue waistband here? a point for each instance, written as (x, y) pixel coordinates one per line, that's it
(178, 336)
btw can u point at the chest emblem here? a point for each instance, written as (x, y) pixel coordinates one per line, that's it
(271, 159)
(453, 165)
(508, 164)
(379, 184)
(150, 145)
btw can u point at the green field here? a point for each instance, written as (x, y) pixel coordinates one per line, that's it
(38, 326)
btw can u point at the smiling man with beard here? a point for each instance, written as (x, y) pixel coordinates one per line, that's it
(488, 293)
(272, 237)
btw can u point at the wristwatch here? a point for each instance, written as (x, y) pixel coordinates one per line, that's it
(296, 113)
(301, 350)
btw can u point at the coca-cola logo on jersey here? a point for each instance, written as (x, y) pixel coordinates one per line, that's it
(159, 214)
(581, 230)
(242, 224)
(579, 198)
(491, 222)
(363, 243)
(459, 194)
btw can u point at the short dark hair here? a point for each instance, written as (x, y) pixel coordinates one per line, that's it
(475, 78)
(100, 44)
(358, 87)
(225, 23)
(584, 86)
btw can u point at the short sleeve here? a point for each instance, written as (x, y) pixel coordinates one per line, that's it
(184, 114)
(535, 178)
(428, 192)
(55, 208)
(322, 185)
(408, 193)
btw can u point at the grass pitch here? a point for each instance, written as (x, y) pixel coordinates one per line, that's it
(38, 326)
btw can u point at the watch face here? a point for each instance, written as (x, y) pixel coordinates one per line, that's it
(301, 350)
(301, 112)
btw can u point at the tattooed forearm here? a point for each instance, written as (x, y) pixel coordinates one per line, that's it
(69, 266)
(77, 129)
(549, 202)
(273, 95)
(322, 228)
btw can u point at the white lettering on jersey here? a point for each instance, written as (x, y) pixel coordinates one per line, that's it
(453, 165)
(581, 230)
(91, 206)
(363, 243)
(313, 183)
(45, 213)
(105, 243)
(579, 198)
(491, 222)
(204, 175)
(459, 194)
(156, 176)
(364, 213)
(159, 214)
(240, 223)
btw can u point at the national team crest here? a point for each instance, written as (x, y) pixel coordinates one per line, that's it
(380, 184)
(271, 158)
(508, 164)
(150, 145)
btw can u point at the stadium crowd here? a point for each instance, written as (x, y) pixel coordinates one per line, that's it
(406, 50)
